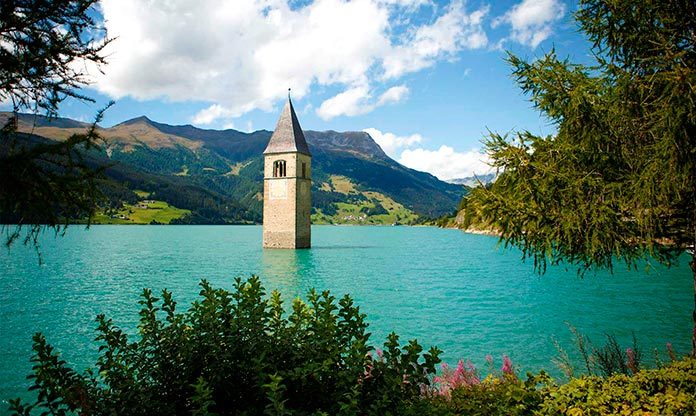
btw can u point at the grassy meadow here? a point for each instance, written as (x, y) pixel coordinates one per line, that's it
(144, 212)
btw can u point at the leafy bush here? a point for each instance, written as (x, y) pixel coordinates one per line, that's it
(670, 390)
(461, 391)
(505, 395)
(236, 353)
(463, 376)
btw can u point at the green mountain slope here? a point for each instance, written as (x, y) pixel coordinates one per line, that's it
(217, 175)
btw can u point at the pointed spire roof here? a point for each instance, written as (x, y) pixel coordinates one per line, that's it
(288, 136)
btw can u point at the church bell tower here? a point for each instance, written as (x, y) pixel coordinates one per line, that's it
(287, 183)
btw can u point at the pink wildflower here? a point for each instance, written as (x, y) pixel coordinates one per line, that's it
(458, 373)
(507, 366)
(489, 359)
(462, 376)
(631, 360)
(471, 368)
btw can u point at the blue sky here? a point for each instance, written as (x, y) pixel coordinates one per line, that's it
(425, 78)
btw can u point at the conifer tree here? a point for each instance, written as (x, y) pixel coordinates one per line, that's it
(45, 47)
(617, 182)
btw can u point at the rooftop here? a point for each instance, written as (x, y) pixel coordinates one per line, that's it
(288, 136)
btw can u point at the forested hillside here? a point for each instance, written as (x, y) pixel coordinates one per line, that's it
(217, 175)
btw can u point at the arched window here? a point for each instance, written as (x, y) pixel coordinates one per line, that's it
(279, 169)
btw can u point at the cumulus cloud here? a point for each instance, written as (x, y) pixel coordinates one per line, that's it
(450, 33)
(446, 163)
(212, 113)
(391, 143)
(393, 95)
(531, 20)
(350, 102)
(358, 100)
(408, 3)
(243, 55)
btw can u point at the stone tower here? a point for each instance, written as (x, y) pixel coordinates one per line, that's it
(287, 183)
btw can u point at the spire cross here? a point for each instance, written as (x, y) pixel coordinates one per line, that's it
(288, 93)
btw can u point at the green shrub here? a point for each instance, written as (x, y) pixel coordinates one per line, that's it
(505, 395)
(236, 353)
(669, 390)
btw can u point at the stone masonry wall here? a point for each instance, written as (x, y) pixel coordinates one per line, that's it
(287, 203)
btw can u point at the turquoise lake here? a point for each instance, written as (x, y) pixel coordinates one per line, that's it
(444, 287)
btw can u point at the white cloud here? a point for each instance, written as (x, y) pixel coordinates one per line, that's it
(350, 103)
(450, 33)
(357, 100)
(446, 163)
(307, 108)
(407, 3)
(393, 95)
(212, 113)
(531, 20)
(391, 143)
(249, 127)
(242, 55)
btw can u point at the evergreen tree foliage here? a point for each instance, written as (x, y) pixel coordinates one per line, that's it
(45, 47)
(45, 183)
(618, 180)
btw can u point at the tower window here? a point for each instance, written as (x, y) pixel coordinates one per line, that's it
(304, 169)
(279, 169)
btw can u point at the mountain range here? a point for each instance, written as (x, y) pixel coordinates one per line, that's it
(476, 180)
(216, 176)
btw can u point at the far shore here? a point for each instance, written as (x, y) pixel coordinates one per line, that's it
(470, 230)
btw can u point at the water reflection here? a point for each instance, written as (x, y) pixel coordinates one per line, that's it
(293, 272)
(280, 264)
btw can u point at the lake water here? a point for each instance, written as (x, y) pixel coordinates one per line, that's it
(444, 287)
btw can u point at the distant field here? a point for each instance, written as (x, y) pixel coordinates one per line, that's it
(373, 208)
(360, 213)
(144, 212)
(342, 184)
